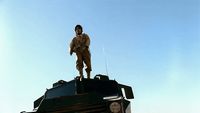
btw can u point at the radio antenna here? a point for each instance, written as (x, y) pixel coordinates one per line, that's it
(106, 64)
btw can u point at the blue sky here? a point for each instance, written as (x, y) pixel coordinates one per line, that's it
(153, 46)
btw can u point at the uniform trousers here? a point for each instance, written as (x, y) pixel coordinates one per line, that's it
(83, 56)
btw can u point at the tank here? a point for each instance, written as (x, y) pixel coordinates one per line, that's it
(97, 95)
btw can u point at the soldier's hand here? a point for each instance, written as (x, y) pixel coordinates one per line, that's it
(71, 52)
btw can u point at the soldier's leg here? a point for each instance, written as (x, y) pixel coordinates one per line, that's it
(87, 61)
(79, 64)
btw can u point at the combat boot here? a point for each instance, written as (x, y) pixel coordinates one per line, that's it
(81, 74)
(88, 75)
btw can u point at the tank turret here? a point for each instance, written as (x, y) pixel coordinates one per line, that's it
(97, 95)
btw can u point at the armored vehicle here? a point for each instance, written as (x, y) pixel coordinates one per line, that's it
(97, 95)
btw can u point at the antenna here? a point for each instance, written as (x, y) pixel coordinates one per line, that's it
(104, 54)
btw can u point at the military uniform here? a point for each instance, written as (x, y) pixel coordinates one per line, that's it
(80, 45)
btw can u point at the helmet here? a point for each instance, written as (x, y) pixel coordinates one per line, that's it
(78, 26)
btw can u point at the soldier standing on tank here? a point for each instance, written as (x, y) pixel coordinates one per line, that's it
(80, 45)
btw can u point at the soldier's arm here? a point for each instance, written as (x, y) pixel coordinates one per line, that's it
(71, 47)
(87, 41)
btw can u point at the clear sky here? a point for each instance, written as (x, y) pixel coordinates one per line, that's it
(151, 45)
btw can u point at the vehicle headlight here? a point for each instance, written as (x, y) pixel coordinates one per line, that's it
(115, 107)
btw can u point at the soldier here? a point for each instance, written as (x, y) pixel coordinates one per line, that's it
(80, 45)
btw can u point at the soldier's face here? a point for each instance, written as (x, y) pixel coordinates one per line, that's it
(78, 31)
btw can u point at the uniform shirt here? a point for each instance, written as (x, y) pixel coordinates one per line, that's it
(80, 43)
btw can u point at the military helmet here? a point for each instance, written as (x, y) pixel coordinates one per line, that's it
(78, 26)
